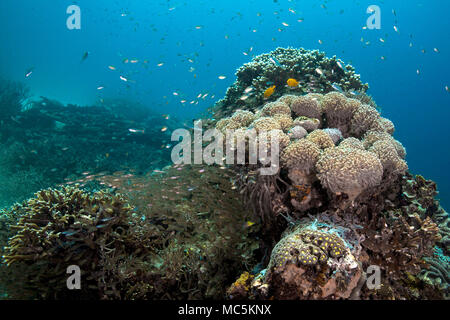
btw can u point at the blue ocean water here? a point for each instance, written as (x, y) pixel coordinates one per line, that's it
(177, 50)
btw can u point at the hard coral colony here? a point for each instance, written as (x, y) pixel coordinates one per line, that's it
(341, 202)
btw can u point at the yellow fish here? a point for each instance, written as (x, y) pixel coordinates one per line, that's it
(269, 92)
(292, 83)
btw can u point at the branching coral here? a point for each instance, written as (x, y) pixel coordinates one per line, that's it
(277, 67)
(64, 227)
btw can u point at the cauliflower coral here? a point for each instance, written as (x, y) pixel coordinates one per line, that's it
(341, 142)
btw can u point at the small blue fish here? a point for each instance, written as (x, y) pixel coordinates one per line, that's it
(70, 232)
(107, 219)
(336, 87)
(275, 61)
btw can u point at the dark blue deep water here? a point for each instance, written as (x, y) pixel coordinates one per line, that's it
(194, 42)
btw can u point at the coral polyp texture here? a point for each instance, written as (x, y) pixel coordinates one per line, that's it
(343, 166)
(348, 150)
(311, 261)
(65, 227)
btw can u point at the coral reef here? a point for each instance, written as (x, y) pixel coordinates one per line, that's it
(49, 143)
(59, 228)
(348, 171)
(341, 202)
(318, 157)
(167, 239)
(314, 71)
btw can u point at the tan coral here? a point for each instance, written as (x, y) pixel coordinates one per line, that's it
(321, 138)
(306, 106)
(401, 151)
(239, 119)
(373, 136)
(266, 124)
(302, 154)
(284, 120)
(244, 117)
(282, 138)
(338, 110)
(364, 119)
(288, 99)
(388, 125)
(300, 158)
(222, 123)
(349, 170)
(389, 158)
(276, 108)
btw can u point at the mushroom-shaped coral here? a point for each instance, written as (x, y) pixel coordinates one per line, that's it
(300, 158)
(349, 170)
(222, 123)
(288, 99)
(352, 143)
(364, 119)
(243, 117)
(389, 158)
(334, 133)
(321, 138)
(388, 125)
(266, 124)
(239, 119)
(277, 107)
(373, 136)
(284, 120)
(306, 106)
(338, 110)
(301, 154)
(265, 138)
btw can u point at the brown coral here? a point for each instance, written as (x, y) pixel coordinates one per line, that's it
(338, 111)
(349, 170)
(321, 138)
(266, 124)
(274, 108)
(364, 119)
(389, 158)
(306, 106)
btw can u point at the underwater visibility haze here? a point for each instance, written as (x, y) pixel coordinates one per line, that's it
(350, 99)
